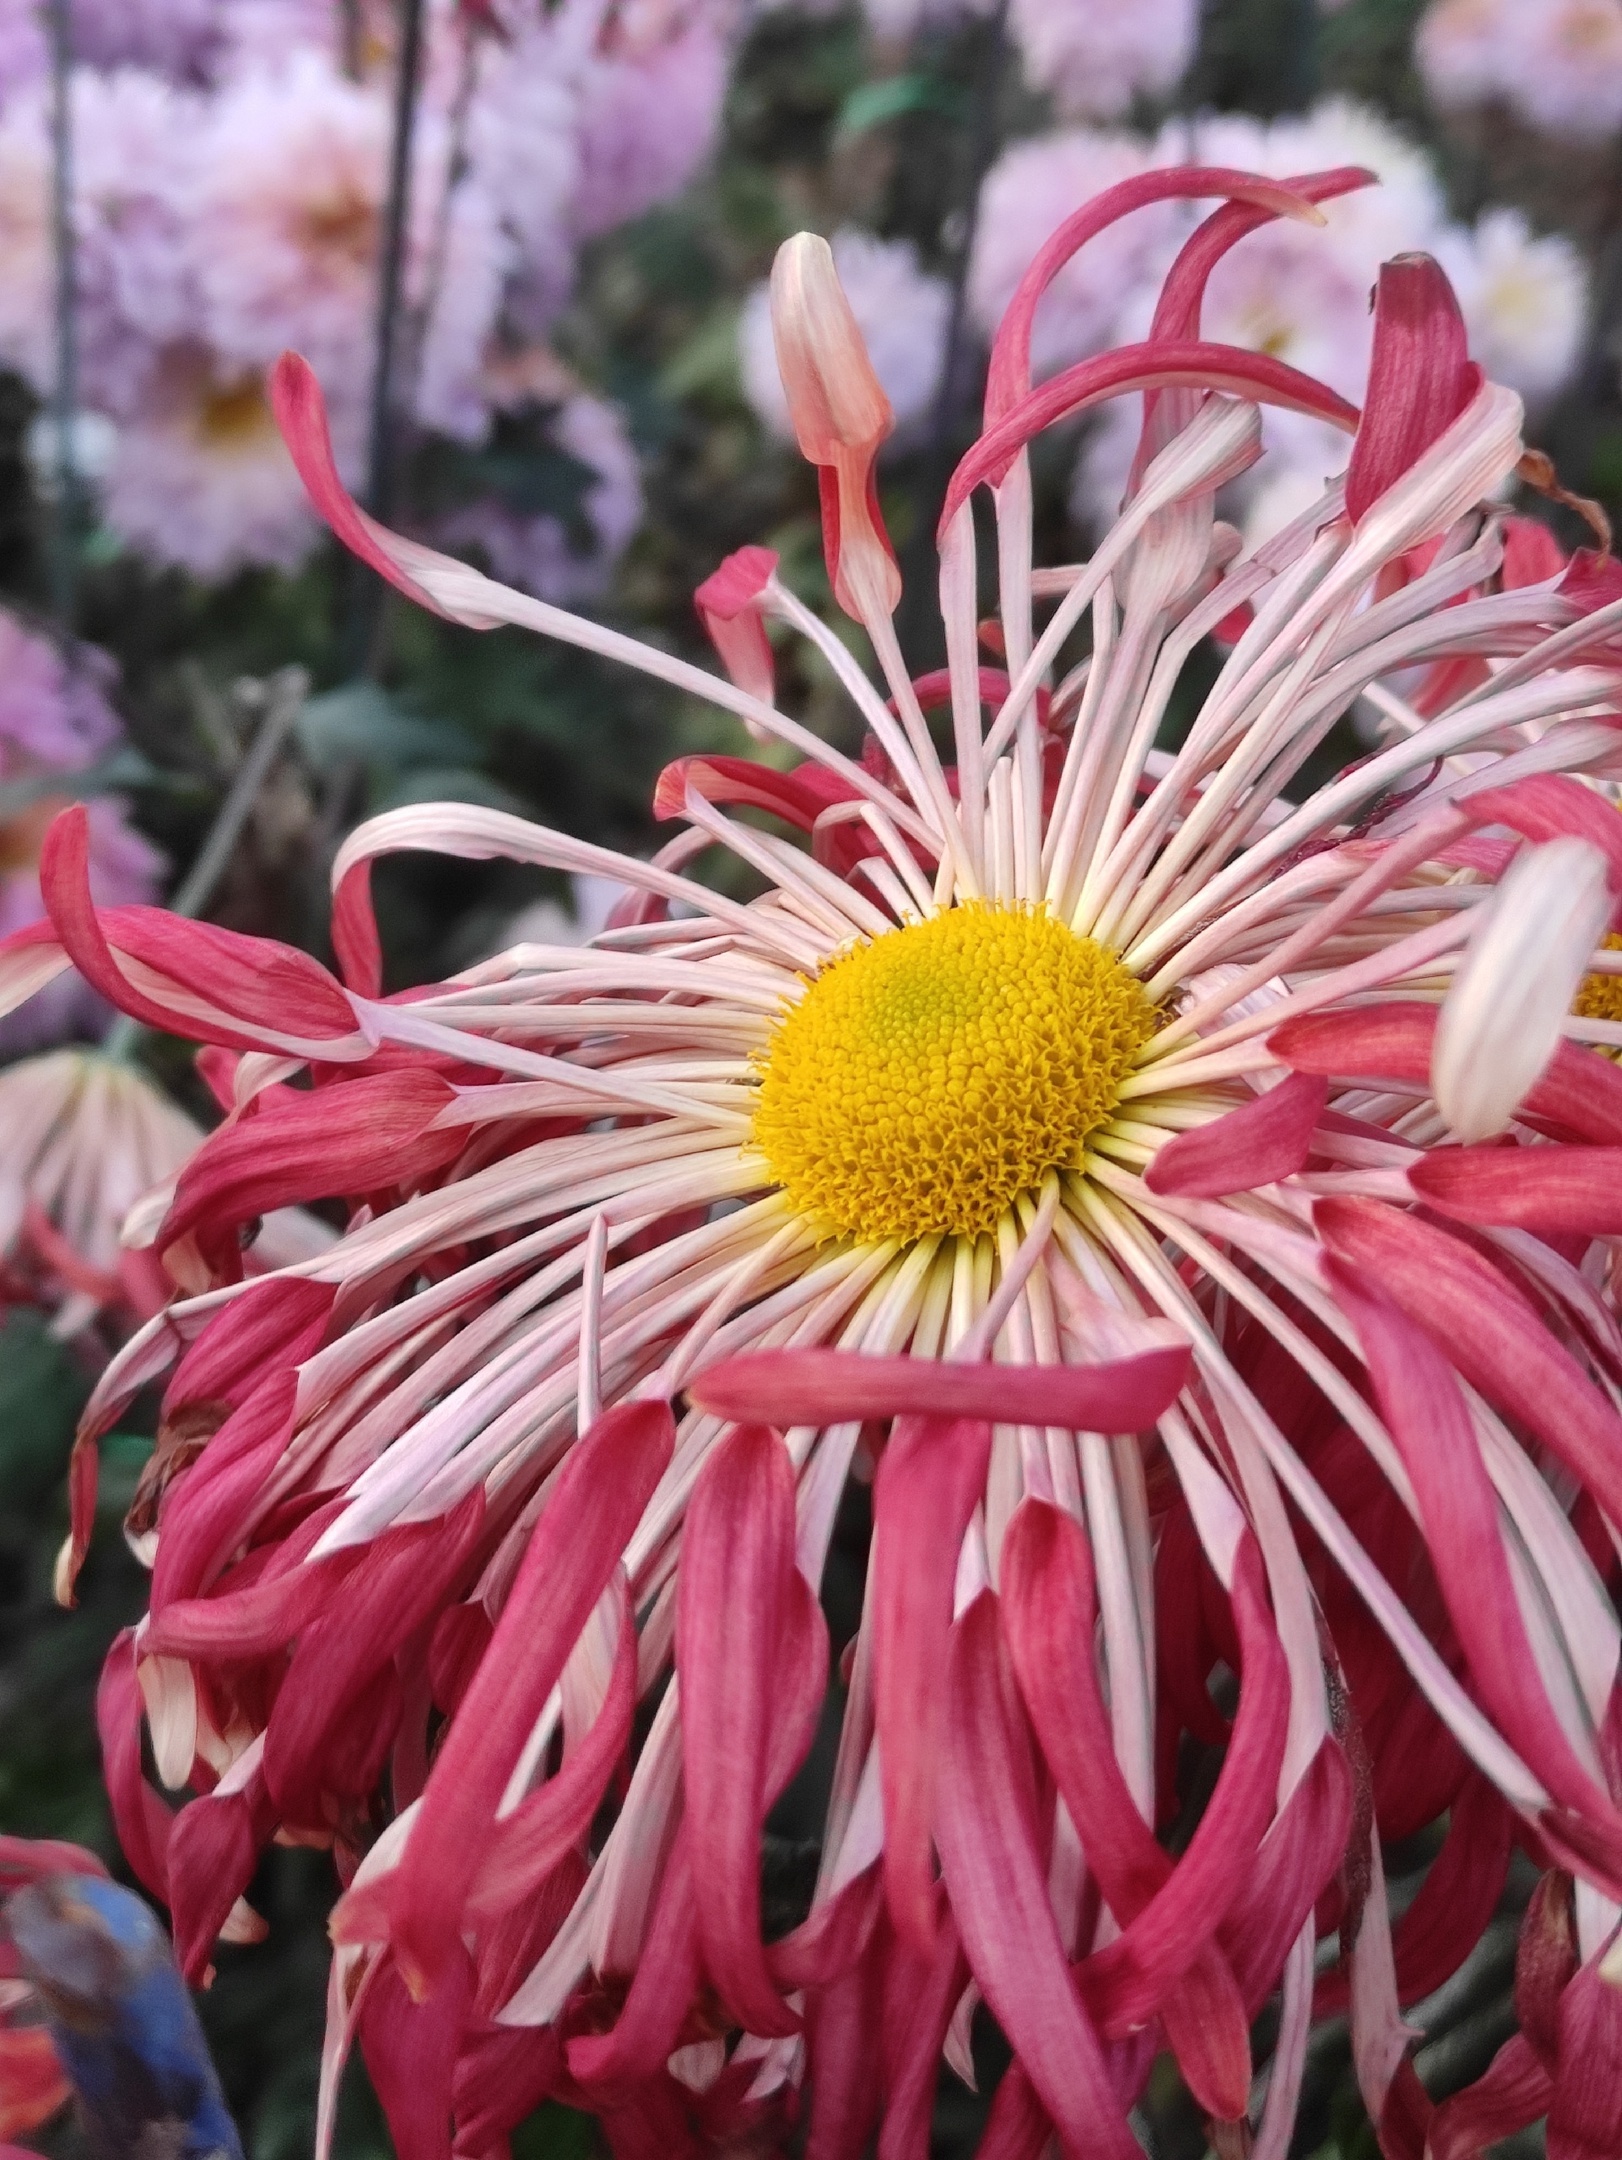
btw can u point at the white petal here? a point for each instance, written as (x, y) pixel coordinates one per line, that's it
(1500, 1024)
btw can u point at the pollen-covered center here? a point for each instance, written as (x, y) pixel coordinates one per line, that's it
(925, 1080)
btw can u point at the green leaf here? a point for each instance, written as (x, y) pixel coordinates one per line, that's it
(42, 1390)
(708, 360)
(874, 103)
(361, 724)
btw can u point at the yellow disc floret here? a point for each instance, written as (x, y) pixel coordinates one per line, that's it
(928, 1078)
(1600, 997)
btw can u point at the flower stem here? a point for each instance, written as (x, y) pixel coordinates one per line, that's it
(282, 699)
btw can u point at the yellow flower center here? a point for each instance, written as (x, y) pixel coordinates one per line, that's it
(1600, 997)
(927, 1079)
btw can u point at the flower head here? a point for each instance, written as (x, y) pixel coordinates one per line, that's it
(1064, 1125)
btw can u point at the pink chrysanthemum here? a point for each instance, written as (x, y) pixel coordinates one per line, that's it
(199, 476)
(649, 106)
(135, 140)
(1195, 1201)
(290, 192)
(53, 723)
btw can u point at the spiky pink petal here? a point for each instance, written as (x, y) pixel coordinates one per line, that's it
(824, 1386)
(736, 1602)
(986, 1823)
(596, 1503)
(1261, 1141)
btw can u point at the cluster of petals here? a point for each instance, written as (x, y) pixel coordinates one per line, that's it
(229, 188)
(1299, 294)
(1256, 1476)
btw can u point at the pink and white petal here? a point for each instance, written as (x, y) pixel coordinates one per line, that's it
(1501, 1021)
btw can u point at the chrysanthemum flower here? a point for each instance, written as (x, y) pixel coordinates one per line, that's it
(1067, 1126)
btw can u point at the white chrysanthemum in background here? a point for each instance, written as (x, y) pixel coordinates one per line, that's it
(1567, 77)
(1096, 56)
(1557, 63)
(199, 476)
(902, 312)
(1524, 299)
(1028, 193)
(1462, 49)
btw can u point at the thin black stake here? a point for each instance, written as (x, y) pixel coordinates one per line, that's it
(935, 465)
(380, 474)
(65, 382)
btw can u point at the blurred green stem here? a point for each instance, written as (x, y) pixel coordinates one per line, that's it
(283, 698)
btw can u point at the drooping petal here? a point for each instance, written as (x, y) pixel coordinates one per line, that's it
(727, 606)
(929, 1481)
(594, 1506)
(1426, 1416)
(373, 1133)
(1488, 1332)
(1500, 1023)
(1261, 1141)
(1420, 377)
(1173, 364)
(732, 1598)
(1580, 1093)
(986, 1823)
(1511, 2095)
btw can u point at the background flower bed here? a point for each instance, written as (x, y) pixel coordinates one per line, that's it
(593, 413)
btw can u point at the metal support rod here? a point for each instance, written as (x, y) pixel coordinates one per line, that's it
(380, 473)
(65, 519)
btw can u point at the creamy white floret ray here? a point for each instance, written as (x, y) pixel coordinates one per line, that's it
(1196, 877)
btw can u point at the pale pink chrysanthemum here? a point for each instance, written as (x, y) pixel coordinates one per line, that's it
(1557, 63)
(541, 553)
(1463, 50)
(524, 154)
(199, 477)
(1567, 67)
(1027, 194)
(1096, 56)
(24, 55)
(134, 135)
(902, 310)
(648, 109)
(292, 182)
